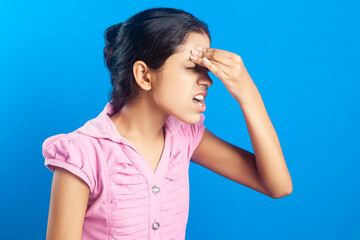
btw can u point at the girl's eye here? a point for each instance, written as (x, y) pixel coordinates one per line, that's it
(197, 68)
(192, 68)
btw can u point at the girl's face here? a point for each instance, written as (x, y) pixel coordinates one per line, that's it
(181, 80)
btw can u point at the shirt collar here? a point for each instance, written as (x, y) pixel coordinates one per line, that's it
(103, 127)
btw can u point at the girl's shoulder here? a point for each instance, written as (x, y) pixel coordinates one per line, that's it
(190, 134)
(192, 130)
(67, 143)
(75, 153)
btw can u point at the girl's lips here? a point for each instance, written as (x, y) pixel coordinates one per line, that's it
(200, 105)
(203, 93)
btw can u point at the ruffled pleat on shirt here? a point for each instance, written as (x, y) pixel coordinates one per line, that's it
(129, 204)
(129, 200)
(174, 213)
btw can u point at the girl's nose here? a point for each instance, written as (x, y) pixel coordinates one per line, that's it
(205, 80)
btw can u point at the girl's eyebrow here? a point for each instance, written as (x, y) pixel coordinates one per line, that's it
(188, 61)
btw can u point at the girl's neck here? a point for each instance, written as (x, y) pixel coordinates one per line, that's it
(140, 121)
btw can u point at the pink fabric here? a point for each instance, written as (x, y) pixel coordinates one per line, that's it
(122, 204)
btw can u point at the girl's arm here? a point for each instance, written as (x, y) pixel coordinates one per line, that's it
(267, 173)
(264, 171)
(68, 203)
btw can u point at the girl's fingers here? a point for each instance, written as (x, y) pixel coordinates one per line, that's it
(224, 68)
(216, 66)
(215, 69)
(218, 55)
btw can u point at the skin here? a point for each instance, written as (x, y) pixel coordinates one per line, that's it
(68, 201)
(170, 91)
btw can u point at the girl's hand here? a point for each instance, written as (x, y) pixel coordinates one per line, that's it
(228, 67)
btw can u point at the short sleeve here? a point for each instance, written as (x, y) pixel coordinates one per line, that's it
(69, 152)
(196, 132)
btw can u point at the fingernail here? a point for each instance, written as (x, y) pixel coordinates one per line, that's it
(195, 52)
(193, 58)
(199, 48)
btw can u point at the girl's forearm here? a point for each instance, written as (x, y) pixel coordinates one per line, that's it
(270, 161)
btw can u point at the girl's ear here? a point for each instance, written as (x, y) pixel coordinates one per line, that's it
(143, 75)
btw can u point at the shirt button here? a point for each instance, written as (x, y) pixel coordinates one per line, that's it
(155, 225)
(155, 189)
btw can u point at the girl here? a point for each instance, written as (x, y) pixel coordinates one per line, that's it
(124, 174)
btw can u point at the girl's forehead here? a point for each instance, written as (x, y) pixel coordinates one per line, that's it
(197, 39)
(192, 41)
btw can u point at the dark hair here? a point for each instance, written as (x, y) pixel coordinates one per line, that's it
(150, 36)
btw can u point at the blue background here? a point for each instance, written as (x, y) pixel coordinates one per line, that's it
(303, 56)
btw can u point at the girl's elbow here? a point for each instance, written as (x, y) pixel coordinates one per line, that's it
(284, 193)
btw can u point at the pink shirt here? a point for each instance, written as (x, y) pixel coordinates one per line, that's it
(127, 199)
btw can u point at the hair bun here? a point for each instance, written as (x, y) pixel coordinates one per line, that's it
(110, 40)
(111, 33)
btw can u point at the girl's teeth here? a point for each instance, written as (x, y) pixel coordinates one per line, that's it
(198, 103)
(199, 97)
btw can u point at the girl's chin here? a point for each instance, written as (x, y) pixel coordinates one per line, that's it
(190, 117)
(195, 118)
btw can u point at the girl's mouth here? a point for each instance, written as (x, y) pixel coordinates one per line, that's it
(200, 104)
